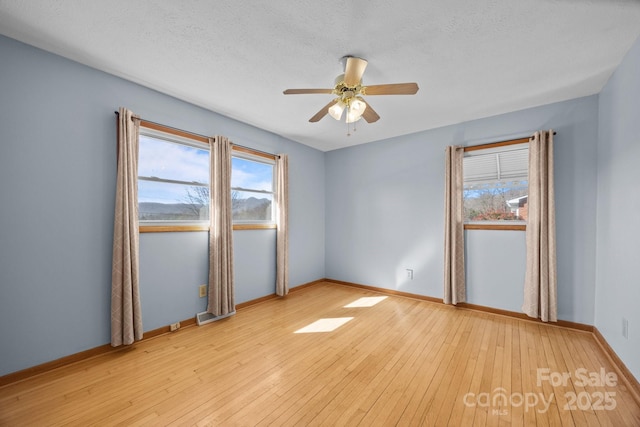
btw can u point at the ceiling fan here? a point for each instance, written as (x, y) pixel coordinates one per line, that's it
(349, 93)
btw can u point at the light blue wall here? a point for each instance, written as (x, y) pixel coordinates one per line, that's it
(57, 185)
(618, 236)
(490, 280)
(254, 260)
(172, 266)
(385, 211)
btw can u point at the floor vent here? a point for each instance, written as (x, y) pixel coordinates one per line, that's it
(204, 317)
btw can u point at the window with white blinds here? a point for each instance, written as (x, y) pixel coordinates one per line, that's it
(496, 183)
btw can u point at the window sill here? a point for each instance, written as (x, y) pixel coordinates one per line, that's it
(253, 226)
(494, 226)
(172, 228)
(204, 227)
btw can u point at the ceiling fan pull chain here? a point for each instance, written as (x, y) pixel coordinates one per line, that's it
(346, 115)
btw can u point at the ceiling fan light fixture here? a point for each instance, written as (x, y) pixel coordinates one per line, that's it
(358, 106)
(356, 109)
(352, 118)
(336, 110)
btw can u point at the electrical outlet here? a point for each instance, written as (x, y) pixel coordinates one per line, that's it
(174, 326)
(625, 328)
(409, 273)
(202, 291)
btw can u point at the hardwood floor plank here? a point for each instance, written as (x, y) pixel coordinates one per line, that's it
(401, 361)
(516, 413)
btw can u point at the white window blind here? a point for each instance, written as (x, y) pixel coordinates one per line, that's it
(509, 163)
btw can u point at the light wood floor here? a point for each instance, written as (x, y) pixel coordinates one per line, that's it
(399, 362)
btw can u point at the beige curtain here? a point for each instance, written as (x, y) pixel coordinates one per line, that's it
(540, 287)
(282, 236)
(126, 316)
(221, 300)
(454, 280)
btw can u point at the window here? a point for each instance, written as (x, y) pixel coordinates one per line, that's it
(252, 187)
(173, 179)
(496, 183)
(173, 182)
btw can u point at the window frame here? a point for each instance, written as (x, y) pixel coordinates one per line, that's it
(496, 225)
(175, 136)
(270, 159)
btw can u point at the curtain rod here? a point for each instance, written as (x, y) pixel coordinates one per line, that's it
(522, 140)
(117, 113)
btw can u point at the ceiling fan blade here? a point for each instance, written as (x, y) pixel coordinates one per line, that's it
(303, 91)
(353, 70)
(323, 112)
(369, 113)
(391, 89)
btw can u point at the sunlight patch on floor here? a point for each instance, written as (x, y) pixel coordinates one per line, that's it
(324, 325)
(365, 302)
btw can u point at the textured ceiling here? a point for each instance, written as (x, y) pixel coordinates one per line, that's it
(471, 58)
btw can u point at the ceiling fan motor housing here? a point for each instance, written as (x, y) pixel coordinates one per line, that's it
(344, 91)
